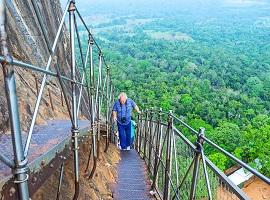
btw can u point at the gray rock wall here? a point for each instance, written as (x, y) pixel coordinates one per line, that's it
(26, 43)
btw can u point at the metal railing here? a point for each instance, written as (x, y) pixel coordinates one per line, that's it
(178, 168)
(95, 93)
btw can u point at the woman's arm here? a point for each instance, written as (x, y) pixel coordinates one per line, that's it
(137, 109)
(114, 116)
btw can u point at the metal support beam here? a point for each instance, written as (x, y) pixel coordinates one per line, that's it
(198, 155)
(151, 113)
(107, 106)
(20, 170)
(60, 178)
(166, 190)
(97, 102)
(157, 149)
(93, 124)
(74, 129)
(139, 132)
(145, 134)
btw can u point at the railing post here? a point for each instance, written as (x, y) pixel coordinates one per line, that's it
(140, 133)
(60, 177)
(196, 165)
(93, 124)
(75, 129)
(91, 78)
(166, 191)
(20, 171)
(98, 99)
(107, 106)
(137, 134)
(98, 127)
(145, 133)
(111, 101)
(157, 149)
(151, 113)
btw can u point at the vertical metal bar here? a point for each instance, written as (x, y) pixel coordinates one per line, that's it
(91, 42)
(166, 191)
(196, 166)
(21, 170)
(74, 129)
(157, 151)
(161, 146)
(145, 134)
(98, 81)
(195, 177)
(110, 103)
(103, 89)
(97, 103)
(94, 145)
(201, 133)
(107, 106)
(160, 150)
(150, 139)
(140, 133)
(206, 177)
(60, 179)
(171, 151)
(98, 127)
(175, 159)
(137, 134)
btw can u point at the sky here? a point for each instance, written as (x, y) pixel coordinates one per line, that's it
(125, 7)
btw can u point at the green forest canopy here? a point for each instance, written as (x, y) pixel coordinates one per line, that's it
(211, 66)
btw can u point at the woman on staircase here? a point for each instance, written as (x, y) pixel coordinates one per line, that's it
(122, 111)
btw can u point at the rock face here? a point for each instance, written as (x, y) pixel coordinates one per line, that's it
(27, 43)
(99, 187)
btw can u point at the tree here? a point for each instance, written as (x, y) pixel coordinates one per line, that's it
(254, 86)
(220, 160)
(227, 135)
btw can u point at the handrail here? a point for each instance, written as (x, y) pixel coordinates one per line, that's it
(240, 162)
(197, 148)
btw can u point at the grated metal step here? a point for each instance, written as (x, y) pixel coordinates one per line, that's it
(132, 183)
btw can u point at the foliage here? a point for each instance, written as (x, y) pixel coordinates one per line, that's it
(218, 78)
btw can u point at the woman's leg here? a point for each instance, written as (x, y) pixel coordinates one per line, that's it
(122, 136)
